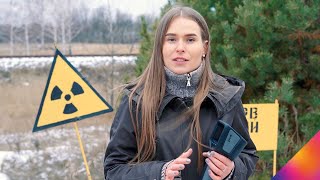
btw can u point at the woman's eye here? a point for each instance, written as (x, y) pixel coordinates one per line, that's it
(171, 39)
(190, 40)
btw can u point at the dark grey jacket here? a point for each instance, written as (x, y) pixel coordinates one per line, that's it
(172, 137)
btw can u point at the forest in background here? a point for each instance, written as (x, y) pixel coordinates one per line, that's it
(274, 46)
(30, 25)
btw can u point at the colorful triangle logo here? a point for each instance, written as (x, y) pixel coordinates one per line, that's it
(305, 165)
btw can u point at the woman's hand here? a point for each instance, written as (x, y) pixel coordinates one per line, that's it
(220, 166)
(177, 165)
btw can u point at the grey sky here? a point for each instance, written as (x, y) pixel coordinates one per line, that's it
(133, 7)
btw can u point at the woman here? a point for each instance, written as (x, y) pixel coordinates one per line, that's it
(165, 119)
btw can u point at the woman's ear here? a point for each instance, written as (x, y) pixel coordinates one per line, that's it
(205, 46)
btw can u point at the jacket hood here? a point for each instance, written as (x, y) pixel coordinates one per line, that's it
(226, 94)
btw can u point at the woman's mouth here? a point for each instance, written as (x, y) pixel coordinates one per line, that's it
(180, 59)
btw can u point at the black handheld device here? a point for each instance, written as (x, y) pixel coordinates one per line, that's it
(226, 141)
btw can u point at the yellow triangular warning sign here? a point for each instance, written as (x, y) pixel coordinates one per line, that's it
(68, 97)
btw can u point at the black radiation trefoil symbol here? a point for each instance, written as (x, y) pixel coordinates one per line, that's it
(76, 90)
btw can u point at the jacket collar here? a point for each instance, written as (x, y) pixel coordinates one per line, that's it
(226, 94)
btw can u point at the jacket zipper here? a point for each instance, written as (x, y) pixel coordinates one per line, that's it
(188, 80)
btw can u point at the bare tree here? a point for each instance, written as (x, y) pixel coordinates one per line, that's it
(109, 21)
(27, 20)
(39, 18)
(61, 21)
(63, 25)
(13, 10)
(75, 17)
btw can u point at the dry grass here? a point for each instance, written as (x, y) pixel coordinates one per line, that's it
(76, 49)
(20, 96)
(19, 104)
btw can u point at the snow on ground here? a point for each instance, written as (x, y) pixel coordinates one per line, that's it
(4, 176)
(53, 154)
(4, 154)
(7, 64)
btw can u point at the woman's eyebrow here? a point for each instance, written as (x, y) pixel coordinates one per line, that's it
(172, 34)
(191, 34)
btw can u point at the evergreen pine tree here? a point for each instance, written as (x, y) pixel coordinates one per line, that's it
(145, 47)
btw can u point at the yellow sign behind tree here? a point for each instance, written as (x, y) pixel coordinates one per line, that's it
(263, 124)
(68, 97)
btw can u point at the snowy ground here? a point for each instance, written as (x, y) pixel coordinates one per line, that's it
(3, 154)
(4, 177)
(38, 62)
(52, 154)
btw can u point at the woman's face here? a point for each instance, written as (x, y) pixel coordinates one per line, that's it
(183, 46)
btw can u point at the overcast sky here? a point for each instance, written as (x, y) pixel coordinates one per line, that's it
(134, 7)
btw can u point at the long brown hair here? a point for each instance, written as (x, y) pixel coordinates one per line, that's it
(152, 86)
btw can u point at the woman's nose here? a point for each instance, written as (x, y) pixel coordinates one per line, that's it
(180, 47)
